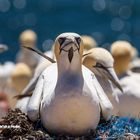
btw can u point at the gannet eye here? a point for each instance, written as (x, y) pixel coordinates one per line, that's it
(99, 65)
(78, 40)
(61, 40)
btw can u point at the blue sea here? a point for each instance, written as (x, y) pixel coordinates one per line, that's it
(105, 20)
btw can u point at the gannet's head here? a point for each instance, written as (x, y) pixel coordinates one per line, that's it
(70, 44)
(100, 61)
(20, 77)
(122, 53)
(28, 38)
(89, 42)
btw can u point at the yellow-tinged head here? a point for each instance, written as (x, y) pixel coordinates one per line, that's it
(89, 42)
(122, 53)
(28, 38)
(20, 76)
(101, 62)
(98, 55)
(69, 44)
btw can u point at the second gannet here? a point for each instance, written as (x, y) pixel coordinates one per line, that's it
(88, 42)
(129, 101)
(27, 38)
(100, 62)
(18, 80)
(67, 97)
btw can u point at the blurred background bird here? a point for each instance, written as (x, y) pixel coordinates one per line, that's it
(18, 81)
(27, 38)
(122, 53)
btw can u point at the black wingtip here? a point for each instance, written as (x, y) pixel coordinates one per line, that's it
(18, 97)
(40, 53)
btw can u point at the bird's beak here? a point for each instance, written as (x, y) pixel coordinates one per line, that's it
(110, 74)
(70, 54)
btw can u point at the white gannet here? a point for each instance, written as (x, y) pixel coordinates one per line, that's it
(101, 62)
(88, 43)
(129, 101)
(121, 50)
(67, 97)
(28, 38)
(18, 80)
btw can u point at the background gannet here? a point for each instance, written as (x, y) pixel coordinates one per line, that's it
(100, 62)
(88, 42)
(67, 96)
(28, 38)
(17, 82)
(121, 51)
(129, 101)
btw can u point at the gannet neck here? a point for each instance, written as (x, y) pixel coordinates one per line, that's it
(69, 74)
(105, 84)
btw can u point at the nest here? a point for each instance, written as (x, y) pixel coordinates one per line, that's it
(116, 128)
(26, 131)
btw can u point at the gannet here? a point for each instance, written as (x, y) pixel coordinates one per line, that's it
(121, 50)
(129, 101)
(28, 38)
(101, 62)
(88, 42)
(68, 97)
(17, 82)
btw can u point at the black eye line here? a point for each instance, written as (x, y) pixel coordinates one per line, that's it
(99, 65)
(77, 47)
(61, 40)
(78, 40)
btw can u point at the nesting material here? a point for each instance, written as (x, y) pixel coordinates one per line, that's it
(115, 128)
(26, 131)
